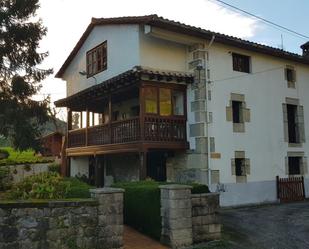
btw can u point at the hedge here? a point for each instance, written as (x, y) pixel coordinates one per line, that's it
(142, 205)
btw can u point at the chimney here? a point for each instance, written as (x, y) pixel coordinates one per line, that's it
(305, 48)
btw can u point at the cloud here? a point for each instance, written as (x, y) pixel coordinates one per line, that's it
(66, 20)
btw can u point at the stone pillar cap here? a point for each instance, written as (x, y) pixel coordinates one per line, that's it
(106, 190)
(175, 186)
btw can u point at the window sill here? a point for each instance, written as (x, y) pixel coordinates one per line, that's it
(239, 127)
(296, 145)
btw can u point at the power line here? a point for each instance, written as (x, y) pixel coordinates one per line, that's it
(263, 19)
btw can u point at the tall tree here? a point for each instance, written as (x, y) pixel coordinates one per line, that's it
(20, 76)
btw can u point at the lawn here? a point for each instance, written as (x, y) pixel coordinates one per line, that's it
(21, 157)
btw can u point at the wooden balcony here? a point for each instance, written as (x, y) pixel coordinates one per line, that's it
(140, 132)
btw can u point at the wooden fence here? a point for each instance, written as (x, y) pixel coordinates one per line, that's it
(290, 189)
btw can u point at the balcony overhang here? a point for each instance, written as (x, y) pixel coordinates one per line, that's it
(128, 78)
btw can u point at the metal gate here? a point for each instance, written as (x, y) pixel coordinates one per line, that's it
(290, 189)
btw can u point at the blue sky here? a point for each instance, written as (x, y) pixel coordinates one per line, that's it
(288, 13)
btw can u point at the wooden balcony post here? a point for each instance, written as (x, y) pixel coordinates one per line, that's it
(69, 120)
(87, 125)
(143, 166)
(110, 117)
(142, 113)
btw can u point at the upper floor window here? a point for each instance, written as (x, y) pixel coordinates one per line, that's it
(290, 76)
(237, 111)
(241, 63)
(164, 101)
(97, 59)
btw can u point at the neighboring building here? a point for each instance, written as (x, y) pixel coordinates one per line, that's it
(51, 144)
(146, 93)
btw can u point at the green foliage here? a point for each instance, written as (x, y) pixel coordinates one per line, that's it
(47, 185)
(77, 189)
(142, 205)
(20, 115)
(4, 154)
(22, 157)
(54, 167)
(5, 178)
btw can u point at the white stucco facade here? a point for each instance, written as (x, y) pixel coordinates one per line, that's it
(265, 89)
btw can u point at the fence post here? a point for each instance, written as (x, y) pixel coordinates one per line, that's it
(277, 180)
(303, 186)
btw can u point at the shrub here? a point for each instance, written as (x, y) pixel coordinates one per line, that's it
(142, 206)
(77, 189)
(4, 154)
(54, 167)
(46, 185)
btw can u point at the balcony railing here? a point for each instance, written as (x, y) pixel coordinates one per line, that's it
(150, 128)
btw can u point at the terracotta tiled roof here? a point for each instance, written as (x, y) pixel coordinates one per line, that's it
(161, 22)
(129, 77)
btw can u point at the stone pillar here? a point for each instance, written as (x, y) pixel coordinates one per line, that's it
(205, 222)
(176, 214)
(110, 217)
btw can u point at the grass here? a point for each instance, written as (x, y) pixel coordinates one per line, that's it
(21, 157)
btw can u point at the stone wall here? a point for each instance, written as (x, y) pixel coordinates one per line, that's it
(83, 224)
(20, 171)
(188, 218)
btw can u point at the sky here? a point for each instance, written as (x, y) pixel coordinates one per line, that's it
(66, 20)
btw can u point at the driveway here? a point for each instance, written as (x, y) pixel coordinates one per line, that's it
(284, 226)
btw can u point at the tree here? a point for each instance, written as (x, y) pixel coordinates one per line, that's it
(20, 76)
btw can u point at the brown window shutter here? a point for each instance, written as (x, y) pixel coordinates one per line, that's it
(285, 123)
(229, 114)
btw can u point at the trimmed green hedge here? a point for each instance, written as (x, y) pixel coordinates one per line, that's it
(142, 205)
(77, 189)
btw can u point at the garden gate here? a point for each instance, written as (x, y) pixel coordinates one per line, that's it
(290, 189)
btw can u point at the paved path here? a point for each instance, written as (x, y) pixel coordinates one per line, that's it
(284, 226)
(136, 240)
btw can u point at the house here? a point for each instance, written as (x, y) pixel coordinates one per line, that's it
(51, 144)
(151, 97)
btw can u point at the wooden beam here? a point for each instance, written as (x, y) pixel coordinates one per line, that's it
(110, 117)
(87, 126)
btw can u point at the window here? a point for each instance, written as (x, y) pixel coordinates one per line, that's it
(135, 111)
(240, 166)
(237, 111)
(290, 74)
(241, 63)
(76, 120)
(294, 165)
(178, 103)
(292, 124)
(97, 59)
(115, 116)
(165, 102)
(151, 100)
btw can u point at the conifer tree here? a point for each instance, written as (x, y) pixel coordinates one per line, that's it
(20, 74)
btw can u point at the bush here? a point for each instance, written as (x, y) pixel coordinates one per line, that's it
(21, 157)
(54, 167)
(49, 185)
(77, 189)
(142, 205)
(46, 185)
(4, 154)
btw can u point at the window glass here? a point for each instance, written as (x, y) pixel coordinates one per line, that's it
(292, 124)
(178, 103)
(240, 166)
(90, 118)
(237, 111)
(165, 102)
(294, 165)
(151, 100)
(97, 59)
(241, 63)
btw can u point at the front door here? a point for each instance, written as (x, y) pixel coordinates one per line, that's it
(156, 165)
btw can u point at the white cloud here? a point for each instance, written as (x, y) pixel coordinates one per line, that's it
(66, 20)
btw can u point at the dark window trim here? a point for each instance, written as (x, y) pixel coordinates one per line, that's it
(93, 50)
(247, 68)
